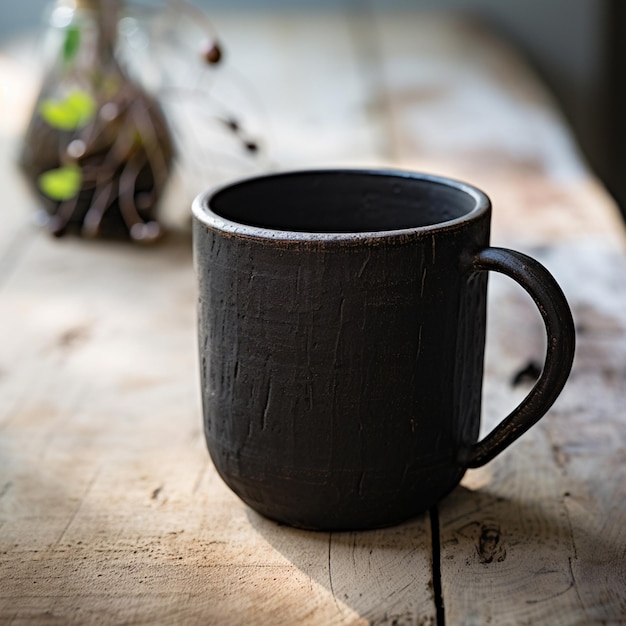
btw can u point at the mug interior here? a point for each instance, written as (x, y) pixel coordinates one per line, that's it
(344, 201)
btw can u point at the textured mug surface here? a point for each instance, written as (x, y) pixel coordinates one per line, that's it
(341, 339)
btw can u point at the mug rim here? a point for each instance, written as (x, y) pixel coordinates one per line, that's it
(201, 209)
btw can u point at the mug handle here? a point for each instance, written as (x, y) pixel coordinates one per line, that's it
(557, 317)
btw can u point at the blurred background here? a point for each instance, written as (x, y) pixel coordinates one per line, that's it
(574, 45)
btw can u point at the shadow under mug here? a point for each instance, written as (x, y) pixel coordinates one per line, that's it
(342, 318)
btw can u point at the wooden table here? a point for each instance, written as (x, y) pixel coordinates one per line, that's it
(110, 510)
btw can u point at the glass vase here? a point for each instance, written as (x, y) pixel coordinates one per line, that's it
(98, 150)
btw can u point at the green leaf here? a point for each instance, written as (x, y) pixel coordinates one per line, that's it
(71, 43)
(74, 111)
(62, 183)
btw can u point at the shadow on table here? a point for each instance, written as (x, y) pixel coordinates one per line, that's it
(386, 576)
(382, 575)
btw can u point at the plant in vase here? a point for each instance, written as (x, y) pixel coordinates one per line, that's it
(98, 149)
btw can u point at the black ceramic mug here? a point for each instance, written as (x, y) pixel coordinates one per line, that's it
(341, 338)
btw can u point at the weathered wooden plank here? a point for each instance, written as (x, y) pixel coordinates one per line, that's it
(538, 536)
(461, 103)
(108, 498)
(518, 547)
(110, 511)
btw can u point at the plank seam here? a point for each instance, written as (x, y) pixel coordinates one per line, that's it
(440, 614)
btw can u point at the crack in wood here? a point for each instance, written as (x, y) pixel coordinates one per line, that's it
(571, 571)
(440, 613)
(77, 510)
(330, 573)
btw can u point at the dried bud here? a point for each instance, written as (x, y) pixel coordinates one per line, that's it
(232, 124)
(251, 146)
(212, 53)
